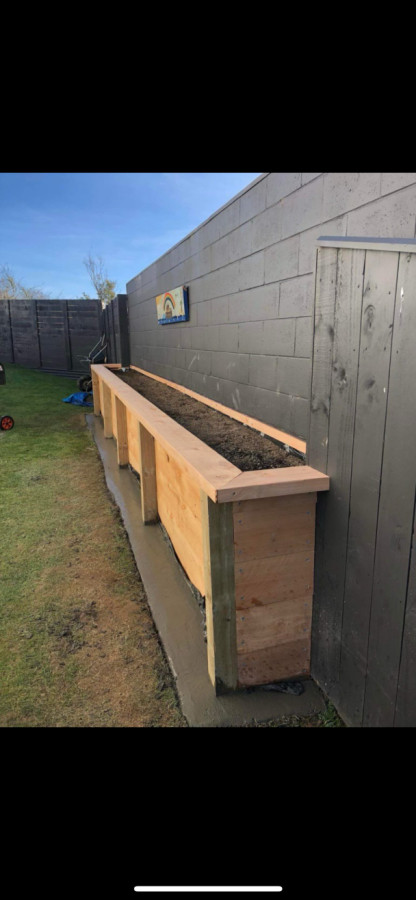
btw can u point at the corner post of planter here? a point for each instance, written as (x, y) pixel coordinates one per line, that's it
(107, 411)
(122, 438)
(96, 393)
(218, 543)
(148, 487)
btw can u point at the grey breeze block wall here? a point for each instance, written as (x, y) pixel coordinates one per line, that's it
(250, 269)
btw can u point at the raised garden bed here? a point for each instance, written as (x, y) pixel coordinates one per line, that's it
(244, 538)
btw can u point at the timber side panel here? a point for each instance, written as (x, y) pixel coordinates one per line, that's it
(133, 442)
(273, 553)
(107, 411)
(148, 487)
(96, 393)
(121, 431)
(379, 290)
(179, 506)
(113, 415)
(217, 535)
(396, 509)
(101, 395)
(289, 660)
(333, 516)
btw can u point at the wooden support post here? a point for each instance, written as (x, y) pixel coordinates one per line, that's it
(217, 535)
(96, 393)
(107, 412)
(122, 438)
(148, 486)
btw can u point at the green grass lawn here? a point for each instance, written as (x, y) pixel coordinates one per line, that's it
(78, 646)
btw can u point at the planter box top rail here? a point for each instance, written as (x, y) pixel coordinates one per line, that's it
(220, 479)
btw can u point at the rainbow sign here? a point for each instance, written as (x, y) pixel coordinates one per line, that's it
(172, 306)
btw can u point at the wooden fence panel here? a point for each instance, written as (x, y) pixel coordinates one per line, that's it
(364, 634)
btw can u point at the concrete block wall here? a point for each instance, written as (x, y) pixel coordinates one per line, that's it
(250, 270)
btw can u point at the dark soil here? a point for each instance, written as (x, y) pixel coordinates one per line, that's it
(243, 446)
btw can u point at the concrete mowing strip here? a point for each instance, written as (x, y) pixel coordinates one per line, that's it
(178, 618)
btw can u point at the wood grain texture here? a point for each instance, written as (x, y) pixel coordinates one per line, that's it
(274, 624)
(282, 436)
(263, 483)
(217, 536)
(274, 579)
(113, 415)
(289, 660)
(133, 441)
(96, 394)
(285, 525)
(396, 509)
(121, 431)
(379, 290)
(333, 512)
(325, 290)
(180, 512)
(405, 713)
(148, 488)
(107, 411)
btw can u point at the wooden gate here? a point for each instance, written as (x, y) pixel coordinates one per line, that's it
(363, 435)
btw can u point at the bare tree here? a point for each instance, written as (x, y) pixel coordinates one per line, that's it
(102, 284)
(12, 289)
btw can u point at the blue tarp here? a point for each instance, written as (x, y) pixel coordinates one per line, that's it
(79, 399)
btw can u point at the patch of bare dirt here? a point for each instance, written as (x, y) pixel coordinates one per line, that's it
(239, 444)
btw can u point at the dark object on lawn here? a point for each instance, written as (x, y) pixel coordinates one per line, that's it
(78, 399)
(97, 355)
(285, 687)
(6, 422)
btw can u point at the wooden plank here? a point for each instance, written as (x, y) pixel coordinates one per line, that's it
(282, 436)
(179, 508)
(273, 483)
(370, 415)
(133, 441)
(405, 714)
(395, 518)
(290, 660)
(101, 395)
(209, 468)
(113, 415)
(274, 579)
(96, 394)
(274, 624)
(217, 528)
(148, 488)
(333, 512)
(280, 530)
(107, 411)
(122, 437)
(325, 290)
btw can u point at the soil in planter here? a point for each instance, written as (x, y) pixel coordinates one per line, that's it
(243, 446)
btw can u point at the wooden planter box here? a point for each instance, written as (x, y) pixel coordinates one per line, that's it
(245, 539)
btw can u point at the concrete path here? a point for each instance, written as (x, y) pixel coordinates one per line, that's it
(178, 619)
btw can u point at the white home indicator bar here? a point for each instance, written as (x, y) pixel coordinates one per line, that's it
(247, 890)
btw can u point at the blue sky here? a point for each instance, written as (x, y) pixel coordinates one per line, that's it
(49, 222)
